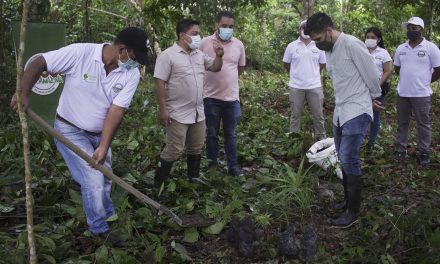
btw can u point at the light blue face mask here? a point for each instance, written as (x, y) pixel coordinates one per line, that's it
(129, 64)
(195, 42)
(225, 34)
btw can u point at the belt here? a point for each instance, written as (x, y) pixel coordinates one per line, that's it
(62, 119)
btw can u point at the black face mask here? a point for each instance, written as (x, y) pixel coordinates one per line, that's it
(325, 45)
(413, 35)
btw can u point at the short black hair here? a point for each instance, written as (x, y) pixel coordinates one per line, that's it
(318, 23)
(184, 25)
(223, 14)
(376, 31)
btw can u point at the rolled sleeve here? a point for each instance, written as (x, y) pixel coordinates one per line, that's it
(322, 58)
(162, 69)
(287, 58)
(242, 60)
(435, 56)
(397, 57)
(209, 61)
(123, 99)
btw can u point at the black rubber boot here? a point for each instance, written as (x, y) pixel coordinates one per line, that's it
(349, 216)
(193, 166)
(162, 172)
(343, 204)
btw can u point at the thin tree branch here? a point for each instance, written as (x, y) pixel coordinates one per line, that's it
(24, 130)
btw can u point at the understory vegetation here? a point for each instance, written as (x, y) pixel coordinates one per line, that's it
(399, 221)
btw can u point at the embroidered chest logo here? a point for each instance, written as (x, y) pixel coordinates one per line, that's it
(117, 88)
(421, 53)
(89, 77)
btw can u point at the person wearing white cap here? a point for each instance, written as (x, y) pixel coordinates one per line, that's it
(304, 61)
(417, 62)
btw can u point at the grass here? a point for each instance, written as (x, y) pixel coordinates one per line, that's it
(400, 220)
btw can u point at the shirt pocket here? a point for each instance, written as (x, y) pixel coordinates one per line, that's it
(181, 70)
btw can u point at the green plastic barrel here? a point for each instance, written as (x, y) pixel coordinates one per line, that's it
(42, 37)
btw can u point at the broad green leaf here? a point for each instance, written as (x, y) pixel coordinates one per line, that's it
(160, 253)
(191, 235)
(132, 145)
(214, 229)
(101, 254)
(75, 196)
(49, 258)
(113, 218)
(179, 248)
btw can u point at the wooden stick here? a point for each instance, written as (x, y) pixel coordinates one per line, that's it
(103, 169)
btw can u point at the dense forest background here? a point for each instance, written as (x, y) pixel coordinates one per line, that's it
(400, 219)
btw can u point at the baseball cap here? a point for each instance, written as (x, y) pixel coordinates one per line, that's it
(414, 21)
(302, 23)
(137, 40)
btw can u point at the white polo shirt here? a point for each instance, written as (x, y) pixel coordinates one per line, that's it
(304, 64)
(416, 67)
(88, 92)
(380, 56)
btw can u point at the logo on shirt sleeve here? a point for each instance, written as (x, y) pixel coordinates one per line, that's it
(117, 88)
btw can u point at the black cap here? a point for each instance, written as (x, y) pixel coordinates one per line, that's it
(137, 40)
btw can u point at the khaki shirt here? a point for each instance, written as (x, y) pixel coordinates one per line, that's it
(184, 76)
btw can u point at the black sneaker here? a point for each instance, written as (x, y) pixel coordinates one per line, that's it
(236, 172)
(400, 155)
(424, 159)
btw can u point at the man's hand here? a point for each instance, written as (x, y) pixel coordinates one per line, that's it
(99, 155)
(218, 48)
(24, 100)
(164, 118)
(377, 105)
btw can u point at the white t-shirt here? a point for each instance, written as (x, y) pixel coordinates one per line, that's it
(88, 92)
(304, 64)
(380, 56)
(416, 66)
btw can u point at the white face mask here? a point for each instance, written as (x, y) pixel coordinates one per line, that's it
(129, 64)
(195, 42)
(304, 36)
(371, 43)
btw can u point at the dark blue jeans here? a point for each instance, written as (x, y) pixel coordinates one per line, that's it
(228, 113)
(348, 140)
(375, 125)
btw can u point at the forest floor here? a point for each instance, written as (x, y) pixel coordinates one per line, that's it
(399, 220)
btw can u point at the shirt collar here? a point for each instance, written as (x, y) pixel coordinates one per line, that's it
(423, 43)
(179, 49)
(97, 55)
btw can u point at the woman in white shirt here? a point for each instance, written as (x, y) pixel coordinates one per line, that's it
(382, 59)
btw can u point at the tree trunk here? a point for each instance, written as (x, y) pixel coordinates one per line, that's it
(153, 37)
(431, 18)
(307, 10)
(24, 130)
(87, 29)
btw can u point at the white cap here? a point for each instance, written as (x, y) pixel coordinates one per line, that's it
(414, 21)
(302, 24)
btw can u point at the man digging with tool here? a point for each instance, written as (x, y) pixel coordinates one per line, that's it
(100, 80)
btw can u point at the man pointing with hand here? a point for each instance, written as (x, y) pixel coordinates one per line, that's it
(179, 77)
